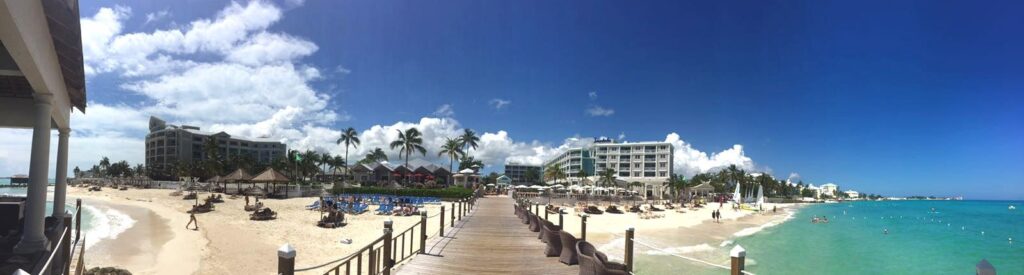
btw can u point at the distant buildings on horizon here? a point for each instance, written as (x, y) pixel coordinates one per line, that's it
(167, 145)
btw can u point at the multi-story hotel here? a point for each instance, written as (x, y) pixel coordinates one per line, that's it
(649, 163)
(166, 145)
(517, 173)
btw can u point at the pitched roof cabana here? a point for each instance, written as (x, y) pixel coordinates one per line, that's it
(270, 175)
(237, 176)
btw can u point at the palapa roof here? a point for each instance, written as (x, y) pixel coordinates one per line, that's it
(703, 187)
(237, 175)
(270, 175)
(214, 179)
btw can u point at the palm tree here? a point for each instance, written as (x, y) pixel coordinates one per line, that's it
(676, 184)
(532, 174)
(104, 164)
(376, 155)
(408, 142)
(582, 174)
(470, 163)
(453, 149)
(77, 172)
(607, 177)
(554, 172)
(351, 138)
(469, 139)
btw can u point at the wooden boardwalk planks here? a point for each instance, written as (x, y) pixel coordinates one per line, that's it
(491, 241)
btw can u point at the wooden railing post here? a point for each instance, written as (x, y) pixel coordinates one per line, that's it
(629, 250)
(460, 209)
(66, 245)
(388, 260)
(453, 215)
(78, 219)
(560, 218)
(545, 213)
(423, 232)
(738, 255)
(441, 217)
(583, 227)
(286, 260)
(984, 268)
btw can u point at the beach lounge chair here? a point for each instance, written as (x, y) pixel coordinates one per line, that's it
(202, 208)
(176, 193)
(592, 264)
(554, 247)
(655, 208)
(635, 209)
(568, 254)
(314, 206)
(190, 196)
(592, 210)
(613, 210)
(254, 207)
(263, 214)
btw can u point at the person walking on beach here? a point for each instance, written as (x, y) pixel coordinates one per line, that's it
(714, 215)
(192, 219)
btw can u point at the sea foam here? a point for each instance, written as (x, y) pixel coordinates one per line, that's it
(106, 224)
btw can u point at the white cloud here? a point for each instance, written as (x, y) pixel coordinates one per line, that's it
(157, 16)
(225, 73)
(445, 110)
(622, 136)
(499, 103)
(689, 161)
(596, 110)
(592, 95)
(341, 70)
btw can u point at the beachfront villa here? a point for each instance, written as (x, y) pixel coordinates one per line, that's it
(419, 173)
(517, 172)
(649, 163)
(830, 189)
(42, 81)
(166, 145)
(852, 194)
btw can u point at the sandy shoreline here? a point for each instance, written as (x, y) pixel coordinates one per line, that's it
(227, 242)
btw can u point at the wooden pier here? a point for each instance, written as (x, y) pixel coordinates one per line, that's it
(491, 241)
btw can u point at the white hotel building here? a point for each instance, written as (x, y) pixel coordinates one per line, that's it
(649, 163)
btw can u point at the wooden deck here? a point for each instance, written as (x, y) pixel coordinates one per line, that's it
(491, 241)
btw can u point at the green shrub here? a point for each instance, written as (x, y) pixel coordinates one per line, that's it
(446, 193)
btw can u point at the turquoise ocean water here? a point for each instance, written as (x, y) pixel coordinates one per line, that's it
(87, 215)
(919, 241)
(949, 240)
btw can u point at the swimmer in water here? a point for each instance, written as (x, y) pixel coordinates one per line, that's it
(885, 231)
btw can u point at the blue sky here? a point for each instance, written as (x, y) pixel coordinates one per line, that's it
(895, 98)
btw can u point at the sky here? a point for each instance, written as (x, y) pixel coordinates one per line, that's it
(896, 98)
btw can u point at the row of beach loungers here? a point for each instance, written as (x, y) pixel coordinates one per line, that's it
(569, 249)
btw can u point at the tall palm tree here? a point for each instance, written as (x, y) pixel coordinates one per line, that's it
(408, 142)
(676, 184)
(607, 177)
(350, 138)
(469, 139)
(554, 172)
(453, 149)
(104, 165)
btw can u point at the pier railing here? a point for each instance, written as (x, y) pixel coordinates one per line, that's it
(383, 253)
(60, 259)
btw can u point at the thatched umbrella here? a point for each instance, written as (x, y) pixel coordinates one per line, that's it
(272, 176)
(237, 176)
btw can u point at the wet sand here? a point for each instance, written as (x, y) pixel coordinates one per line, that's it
(131, 249)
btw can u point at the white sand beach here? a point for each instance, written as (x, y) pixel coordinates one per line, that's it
(227, 242)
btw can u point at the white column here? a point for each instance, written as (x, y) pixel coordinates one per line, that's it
(61, 184)
(32, 238)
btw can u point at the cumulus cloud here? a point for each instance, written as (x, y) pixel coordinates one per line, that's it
(228, 72)
(445, 110)
(689, 161)
(596, 110)
(500, 103)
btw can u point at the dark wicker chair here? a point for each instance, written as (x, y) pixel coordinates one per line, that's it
(534, 223)
(568, 255)
(594, 262)
(554, 247)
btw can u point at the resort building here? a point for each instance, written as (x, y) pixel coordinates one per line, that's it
(42, 81)
(649, 163)
(167, 145)
(387, 174)
(852, 194)
(830, 189)
(518, 173)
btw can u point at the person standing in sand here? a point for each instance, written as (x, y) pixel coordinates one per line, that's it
(192, 219)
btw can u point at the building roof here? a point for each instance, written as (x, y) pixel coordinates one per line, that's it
(270, 175)
(236, 176)
(831, 185)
